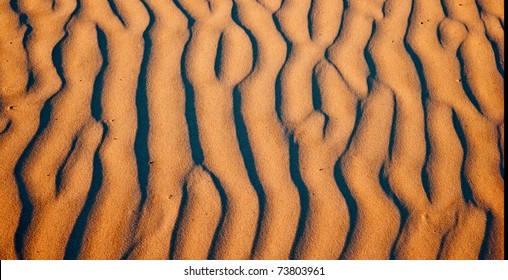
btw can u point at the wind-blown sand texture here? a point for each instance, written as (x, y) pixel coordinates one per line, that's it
(237, 129)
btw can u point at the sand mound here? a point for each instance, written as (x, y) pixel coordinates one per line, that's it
(244, 129)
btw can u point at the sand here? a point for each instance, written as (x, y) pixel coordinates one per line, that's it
(252, 129)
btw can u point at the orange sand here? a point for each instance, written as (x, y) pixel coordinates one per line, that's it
(252, 129)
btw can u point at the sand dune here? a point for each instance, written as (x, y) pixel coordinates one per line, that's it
(252, 129)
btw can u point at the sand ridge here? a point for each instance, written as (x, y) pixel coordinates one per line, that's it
(252, 129)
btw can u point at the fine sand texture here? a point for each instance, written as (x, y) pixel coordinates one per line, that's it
(252, 129)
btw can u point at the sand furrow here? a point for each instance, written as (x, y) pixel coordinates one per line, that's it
(481, 172)
(347, 52)
(13, 79)
(408, 147)
(442, 174)
(60, 144)
(54, 218)
(377, 220)
(169, 152)
(296, 97)
(464, 120)
(215, 121)
(13, 69)
(478, 61)
(199, 219)
(322, 235)
(469, 225)
(492, 14)
(25, 101)
(113, 216)
(266, 135)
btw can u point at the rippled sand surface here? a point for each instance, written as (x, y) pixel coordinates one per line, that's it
(244, 129)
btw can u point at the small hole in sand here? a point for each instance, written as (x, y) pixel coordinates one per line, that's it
(151, 162)
(12, 107)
